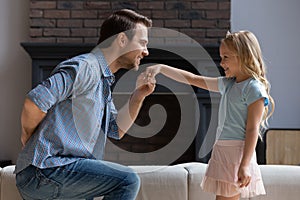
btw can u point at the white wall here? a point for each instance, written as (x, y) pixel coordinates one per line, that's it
(276, 24)
(15, 73)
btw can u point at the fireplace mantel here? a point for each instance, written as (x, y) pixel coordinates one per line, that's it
(64, 50)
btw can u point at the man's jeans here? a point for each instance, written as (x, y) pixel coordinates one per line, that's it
(83, 179)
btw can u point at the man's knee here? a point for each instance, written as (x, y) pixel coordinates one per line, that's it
(133, 180)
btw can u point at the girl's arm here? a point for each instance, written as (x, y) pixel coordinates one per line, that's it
(207, 83)
(255, 113)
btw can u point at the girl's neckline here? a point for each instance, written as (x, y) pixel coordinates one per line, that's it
(243, 81)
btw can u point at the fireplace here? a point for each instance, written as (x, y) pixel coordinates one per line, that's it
(132, 149)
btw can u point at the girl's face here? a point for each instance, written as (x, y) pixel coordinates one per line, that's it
(230, 63)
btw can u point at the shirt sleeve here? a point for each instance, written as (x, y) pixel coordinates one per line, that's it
(223, 84)
(53, 90)
(69, 79)
(255, 92)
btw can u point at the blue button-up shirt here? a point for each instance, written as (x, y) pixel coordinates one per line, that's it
(80, 113)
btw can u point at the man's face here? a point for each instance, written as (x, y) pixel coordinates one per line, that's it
(136, 48)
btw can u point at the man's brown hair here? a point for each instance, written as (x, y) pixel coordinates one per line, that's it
(124, 20)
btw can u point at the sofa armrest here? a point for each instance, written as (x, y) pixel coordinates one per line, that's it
(281, 182)
(8, 187)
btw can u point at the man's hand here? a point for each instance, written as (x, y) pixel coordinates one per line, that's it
(24, 138)
(30, 118)
(145, 84)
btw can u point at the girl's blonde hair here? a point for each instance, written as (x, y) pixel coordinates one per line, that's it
(247, 48)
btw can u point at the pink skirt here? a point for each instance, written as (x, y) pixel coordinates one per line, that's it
(221, 174)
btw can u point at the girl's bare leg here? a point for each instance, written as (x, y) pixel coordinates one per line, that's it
(237, 197)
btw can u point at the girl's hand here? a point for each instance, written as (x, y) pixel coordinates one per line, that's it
(146, 81)
(244, 176)
(153, 70)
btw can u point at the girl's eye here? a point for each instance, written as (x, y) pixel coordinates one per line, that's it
(224, 57)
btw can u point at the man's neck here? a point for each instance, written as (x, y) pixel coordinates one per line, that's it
(111, 58)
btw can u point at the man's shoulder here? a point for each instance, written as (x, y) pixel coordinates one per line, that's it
(82, 59)
(84, 62)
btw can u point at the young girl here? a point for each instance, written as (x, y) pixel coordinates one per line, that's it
(233, 171)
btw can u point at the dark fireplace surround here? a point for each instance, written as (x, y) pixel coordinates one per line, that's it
(45, 56)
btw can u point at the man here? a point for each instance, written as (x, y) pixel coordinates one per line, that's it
(66, 118)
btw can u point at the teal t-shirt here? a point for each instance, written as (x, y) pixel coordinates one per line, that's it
(235, 99)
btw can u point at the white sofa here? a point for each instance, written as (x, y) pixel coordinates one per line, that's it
(182, 182)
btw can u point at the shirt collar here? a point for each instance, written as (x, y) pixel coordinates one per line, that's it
(106, 73)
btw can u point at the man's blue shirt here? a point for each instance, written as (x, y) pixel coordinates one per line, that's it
(80, 113)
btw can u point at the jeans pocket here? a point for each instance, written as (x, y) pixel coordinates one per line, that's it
(37, 186)
(48, 188)
(25, 177)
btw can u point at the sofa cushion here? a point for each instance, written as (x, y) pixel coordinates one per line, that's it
(196, 172)
(162, 182)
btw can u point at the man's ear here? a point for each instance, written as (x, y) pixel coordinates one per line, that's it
(122, 39)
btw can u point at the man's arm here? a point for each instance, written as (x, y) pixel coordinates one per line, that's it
(127, 114)
(30, 118)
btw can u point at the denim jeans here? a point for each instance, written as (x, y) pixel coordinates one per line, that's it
(84, 179)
